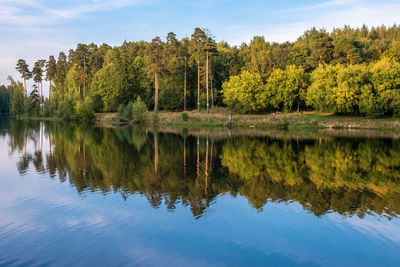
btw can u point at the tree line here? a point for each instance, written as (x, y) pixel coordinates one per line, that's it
(348, 70)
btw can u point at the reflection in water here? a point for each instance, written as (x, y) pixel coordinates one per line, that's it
(341, 175)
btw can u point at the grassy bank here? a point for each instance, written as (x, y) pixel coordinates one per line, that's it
(304, 120)
(39, 118)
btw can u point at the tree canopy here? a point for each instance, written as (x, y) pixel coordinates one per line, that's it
(348, 71)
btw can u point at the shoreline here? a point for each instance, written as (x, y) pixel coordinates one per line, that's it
(305, 121)
(272, 121)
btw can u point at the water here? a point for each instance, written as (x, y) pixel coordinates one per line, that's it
(78, 195)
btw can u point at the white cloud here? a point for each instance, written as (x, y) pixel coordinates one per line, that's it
(33, 12)
(351, 12)
(377, 228)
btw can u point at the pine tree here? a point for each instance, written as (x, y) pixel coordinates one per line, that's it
(50, 72)
(155, 58)
(196, 50)
(23, 68)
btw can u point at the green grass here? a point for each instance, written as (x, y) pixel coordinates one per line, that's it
(305, 121)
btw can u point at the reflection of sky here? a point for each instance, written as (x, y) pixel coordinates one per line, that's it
(44, 221)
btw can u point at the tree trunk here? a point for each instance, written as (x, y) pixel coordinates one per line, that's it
(84, 76)
(26, 92)
(229, 122)
(41, 94)
(198, 87)
(156, 91)
(208, 105)
(212, 91)
(50, 91)
(184, 90)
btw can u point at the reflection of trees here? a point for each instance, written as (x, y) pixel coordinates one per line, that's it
(350, 177)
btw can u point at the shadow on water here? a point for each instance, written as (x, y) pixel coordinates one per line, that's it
(351, 176)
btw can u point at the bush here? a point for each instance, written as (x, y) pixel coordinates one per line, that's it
(185, 116)
(49, 109)
(66, 109)
(120, 110)
(98, 104)
(125, 111)
(84, 110)
(139, 110)
(283, 123)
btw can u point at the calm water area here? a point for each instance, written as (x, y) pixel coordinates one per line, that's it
(76, 195)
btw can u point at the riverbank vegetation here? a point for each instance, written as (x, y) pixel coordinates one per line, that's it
(348, 71)
(217, 117)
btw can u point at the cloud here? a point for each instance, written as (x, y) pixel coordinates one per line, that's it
(33, 12)
(332, 3)
(295, 21)
(382, 228)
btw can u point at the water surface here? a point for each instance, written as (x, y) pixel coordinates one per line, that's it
(80, 195)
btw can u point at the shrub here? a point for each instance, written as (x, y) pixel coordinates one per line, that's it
(84, 110)
(66, 109)
(139, 110)
(49, 109)
(185, 116)
(125, 111)
(120, 110)
(283, 123)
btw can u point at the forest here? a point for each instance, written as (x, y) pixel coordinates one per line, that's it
(346, 71)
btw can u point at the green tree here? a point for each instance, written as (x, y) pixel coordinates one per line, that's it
(318, 46)
(243, 92)
(60, 75)
(139, 110)
(210, 48)
(350, 82)
(196, 48)
(258, 57)
(286, 88)
(107, 84)
(51, 69)
(17, 93)
(37, 72)
(4, 99)
(347, 51)
(171, 86)
(320, 93)
(23, 69)
(155, 57)
(386, 81)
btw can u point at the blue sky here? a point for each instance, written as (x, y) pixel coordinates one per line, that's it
(34, 29)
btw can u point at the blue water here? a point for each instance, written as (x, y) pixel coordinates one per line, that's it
(47, 221)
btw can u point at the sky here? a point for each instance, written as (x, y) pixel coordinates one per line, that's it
(35, 29)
